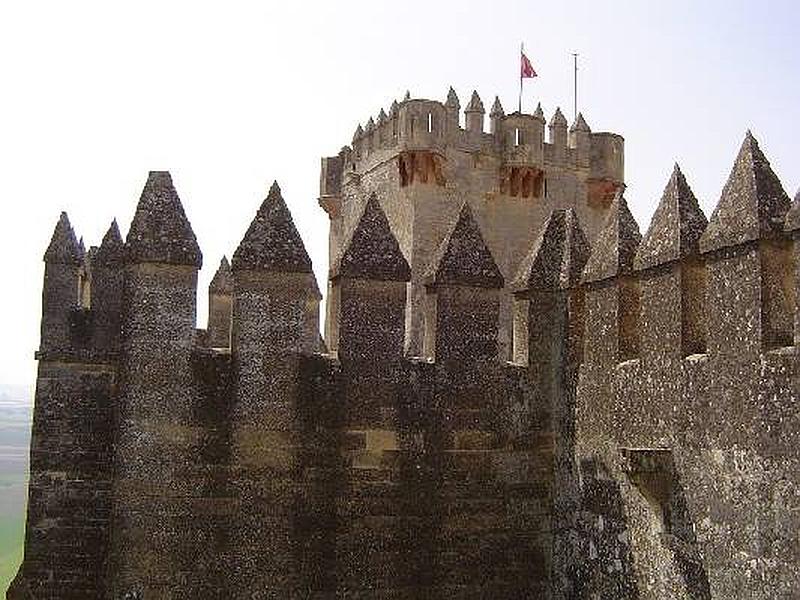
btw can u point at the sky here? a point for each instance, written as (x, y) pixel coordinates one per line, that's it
(230, 96)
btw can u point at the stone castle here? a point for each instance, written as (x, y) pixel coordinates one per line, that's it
(517, 396)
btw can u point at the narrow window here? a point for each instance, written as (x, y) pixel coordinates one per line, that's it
(517, 137)
(430, 122)
(545, 187)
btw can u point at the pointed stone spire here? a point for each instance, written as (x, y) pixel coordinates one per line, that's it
(557, 256)
(393, 108)
(222, 282)
(580, 124)
(497, 109)
(753, 202)
(382, 117)
(616, 244)
(112, 248)
(793, 216)
(475, 104)
(452, 101)
(676, 227)
(372, 251)
(160, 231)
(539, 113)
(370, 125)
(272, 243)
(82, 247)
(463, 258)
(359, 132)
(407, 97)
(64, 247)
(558, 119)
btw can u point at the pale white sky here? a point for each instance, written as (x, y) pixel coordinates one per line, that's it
(231, 95)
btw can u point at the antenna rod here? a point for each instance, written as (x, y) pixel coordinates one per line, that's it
(575, 96)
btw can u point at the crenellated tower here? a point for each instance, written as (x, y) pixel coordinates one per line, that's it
(422, 165)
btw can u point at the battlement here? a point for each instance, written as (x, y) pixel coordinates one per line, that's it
(516, 388)
(420, 132)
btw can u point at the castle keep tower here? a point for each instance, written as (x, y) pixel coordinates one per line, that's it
(422, 166)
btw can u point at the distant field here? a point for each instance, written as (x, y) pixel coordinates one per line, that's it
(15, 420)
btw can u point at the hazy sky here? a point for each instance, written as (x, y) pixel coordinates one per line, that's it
(231, 95)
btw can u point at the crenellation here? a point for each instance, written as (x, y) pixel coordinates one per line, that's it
(517, 395)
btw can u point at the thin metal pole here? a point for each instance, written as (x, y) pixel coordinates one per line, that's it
(521, 52)
(575, 96)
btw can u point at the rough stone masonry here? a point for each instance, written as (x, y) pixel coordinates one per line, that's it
(517, 395)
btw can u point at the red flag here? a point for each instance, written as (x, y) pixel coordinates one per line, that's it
(525, 67)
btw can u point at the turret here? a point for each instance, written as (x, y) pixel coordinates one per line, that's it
(63, 260)
(612, 300)
(220, 297)
(749, 257)
(274, 320)
(579, 140)
(474, 115)
(495, 116)
(108, 284)
(156, 442)
(368, 294)
(673, 276)
(452, 107)
(463, 284)
(558, 133)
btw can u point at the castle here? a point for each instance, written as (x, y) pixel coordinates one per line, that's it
(517, 395)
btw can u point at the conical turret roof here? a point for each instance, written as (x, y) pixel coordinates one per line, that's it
(580, 124)
(558, 120)
(63, 247)
(497, 108)
(753, 202)
(372, 251)
(160, 231)
(272, 242)
(463, 257)
(676, 226)
(452, 99)
(616, 244)
(222, 282)
(539, 113)
(475, 104)
(557, 256)
(112, 248)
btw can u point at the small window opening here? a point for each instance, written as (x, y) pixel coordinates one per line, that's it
(545, 187)
(518, 138)
(430, 122)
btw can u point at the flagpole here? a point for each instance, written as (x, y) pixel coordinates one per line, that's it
(521, 53)
(575, 94)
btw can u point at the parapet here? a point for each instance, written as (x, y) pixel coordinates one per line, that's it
(419, 130)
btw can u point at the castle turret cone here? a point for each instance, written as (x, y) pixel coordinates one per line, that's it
(557, 256)
(222, 282)
(112, 248)
(539, 113)
(160, 231)
(676, 227)
(616, 244)
(463, 257)
(64, 247)
(753, 202)
(558, 120)
(452, 100)
(272, 242)
(580, 124)
(497, 108)
(475, 104)
(372, 251)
